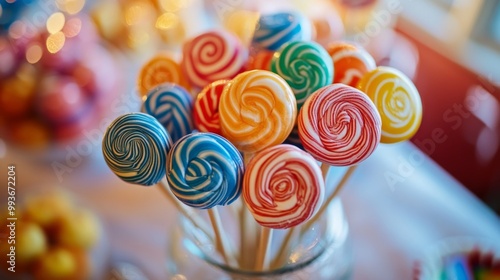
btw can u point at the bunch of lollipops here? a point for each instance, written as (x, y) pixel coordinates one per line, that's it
(212, 129)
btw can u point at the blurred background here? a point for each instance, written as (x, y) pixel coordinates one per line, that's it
(68, 67)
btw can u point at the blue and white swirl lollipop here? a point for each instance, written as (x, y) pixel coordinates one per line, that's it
(205, 170)
(274, 30)
(135, 147)
(172, 106)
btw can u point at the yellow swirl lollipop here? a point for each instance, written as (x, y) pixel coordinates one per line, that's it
(397, 100)
(257, 110)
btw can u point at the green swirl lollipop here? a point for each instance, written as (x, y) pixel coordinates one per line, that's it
(305, 66)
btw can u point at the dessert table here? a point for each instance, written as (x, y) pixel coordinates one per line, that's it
(398, 204)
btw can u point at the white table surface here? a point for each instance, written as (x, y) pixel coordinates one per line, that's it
(390, 227)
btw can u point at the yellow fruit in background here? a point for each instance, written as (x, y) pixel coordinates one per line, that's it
(45, 210)
(79, 228)
(31, 241)
(58, 263)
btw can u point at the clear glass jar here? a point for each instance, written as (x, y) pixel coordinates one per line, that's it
(322, 251)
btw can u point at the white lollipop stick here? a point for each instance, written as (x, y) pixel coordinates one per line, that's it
(266, 237)
(330, 198)
(221, 238)
(186, 211)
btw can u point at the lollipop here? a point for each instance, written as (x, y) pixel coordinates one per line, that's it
(339, 125)
(213, 56)
(398, 101)
(135, 148)
(305, 66)
(274, 30)
(160, 69)
(206, 107)
(261, 60)
(350, 63)
(172, 106)
(205, 170)
(257, 110)
(283, 186)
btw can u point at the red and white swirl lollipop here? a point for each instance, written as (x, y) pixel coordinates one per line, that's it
(339, 125)
(206, 107)
(212, 56)
(282, 187)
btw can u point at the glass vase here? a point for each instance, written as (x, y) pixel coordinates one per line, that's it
(321, 251)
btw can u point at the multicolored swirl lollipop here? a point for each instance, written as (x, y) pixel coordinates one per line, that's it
(283, 186)
(206, 107)
(205, 170)
(398, 101)
(275, 30)
(339, 125)
(305, 66)
(257, 110)
(213, 56)
(135, 148)
(172, 106)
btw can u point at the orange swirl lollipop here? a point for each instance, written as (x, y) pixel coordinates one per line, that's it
(350, 63)
(397, 100)
(257, 110)
(158, 70)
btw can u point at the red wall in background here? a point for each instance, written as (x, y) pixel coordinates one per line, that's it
(450, 131)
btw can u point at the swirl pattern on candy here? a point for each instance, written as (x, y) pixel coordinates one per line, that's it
(261, 60)
(398, 101)
(206, 107)
(283, 187)
(158, 70)
(350, 63)
(205, 170)
(274, 30)
(213, 56)
(257, 110)
(339, 125)
(135, 148)
(172, 106)
(305, 66)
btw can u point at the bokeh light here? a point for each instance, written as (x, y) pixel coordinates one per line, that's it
(72, 27)
(55, 22)
(167, 21)
(173, 5)
(135, 13)
(55, 42)
(34, 53)
(17, 29)
(71, 6)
